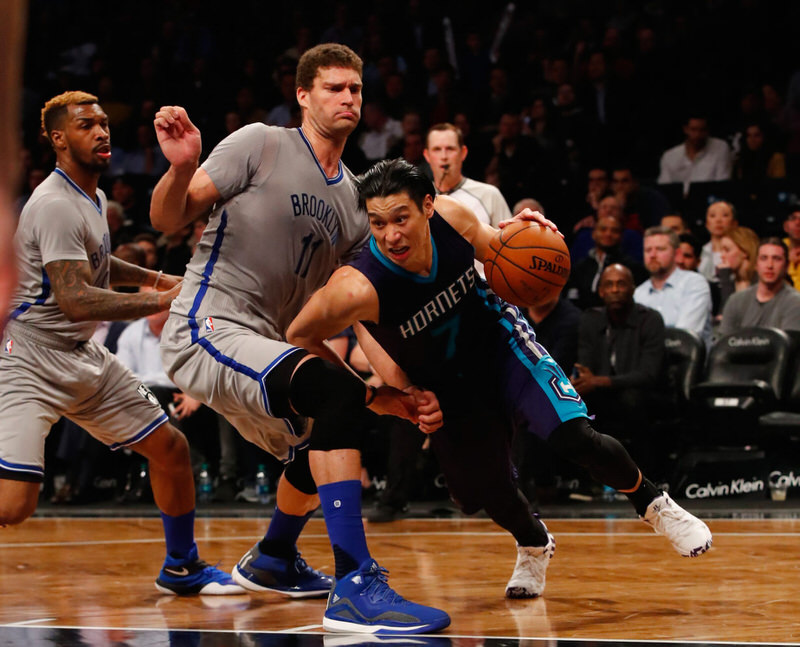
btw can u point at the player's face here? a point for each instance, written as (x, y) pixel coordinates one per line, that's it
(719, 219)
(444, 154)
(659, 255)
(685, 258)
(401, 230)
(85, 137)
(771, 265)
(333, 104)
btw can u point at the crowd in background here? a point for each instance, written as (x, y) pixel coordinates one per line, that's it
(617, 117)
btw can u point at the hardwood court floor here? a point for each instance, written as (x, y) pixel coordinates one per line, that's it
(611, 579)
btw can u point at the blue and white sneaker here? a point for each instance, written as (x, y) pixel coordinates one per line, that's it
(259, 572)
(363, 602)
(192, 576)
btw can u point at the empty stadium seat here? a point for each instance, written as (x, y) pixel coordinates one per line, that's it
(747, 370)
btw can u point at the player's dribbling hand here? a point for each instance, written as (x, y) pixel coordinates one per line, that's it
(178, 137)
(429, 412)
(529, 215)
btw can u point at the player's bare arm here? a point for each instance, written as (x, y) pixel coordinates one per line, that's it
(347, 298)
(81, 301)
(185, 192)
(466, 223)
(429, 413)
(124, 273)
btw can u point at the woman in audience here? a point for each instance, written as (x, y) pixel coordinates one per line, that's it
(720, 219)
(737, 269)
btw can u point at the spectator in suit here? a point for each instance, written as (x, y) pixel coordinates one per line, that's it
(682, 298)
(771, 302)
(620, 354)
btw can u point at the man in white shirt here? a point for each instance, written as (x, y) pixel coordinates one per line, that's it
(682, 298)
(699, 158)
(445, 152)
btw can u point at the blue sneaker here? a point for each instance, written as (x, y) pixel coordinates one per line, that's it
(259, 572)
(192, 576)
(363, 602)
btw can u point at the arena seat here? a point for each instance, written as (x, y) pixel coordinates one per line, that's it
(684, 361)
(786, 418)
(747, 371)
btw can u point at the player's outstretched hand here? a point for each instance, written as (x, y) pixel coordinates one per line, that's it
(166, 282)
(429, 413)
(178, 137)
(393, 402)
(529, 215)
(166, 298)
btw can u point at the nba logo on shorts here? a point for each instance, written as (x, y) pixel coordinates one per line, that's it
(209, 322)
(9, 346)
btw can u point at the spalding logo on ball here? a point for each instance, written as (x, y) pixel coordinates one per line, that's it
(527, 264)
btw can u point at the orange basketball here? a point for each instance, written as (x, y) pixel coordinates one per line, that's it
(527, 264)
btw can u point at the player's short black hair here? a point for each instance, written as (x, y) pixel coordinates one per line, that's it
(389, 177)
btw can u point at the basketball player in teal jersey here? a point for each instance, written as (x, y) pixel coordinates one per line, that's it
(284, 217)
(49, 364)
(426, 320)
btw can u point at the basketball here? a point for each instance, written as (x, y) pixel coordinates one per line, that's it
(527, 264)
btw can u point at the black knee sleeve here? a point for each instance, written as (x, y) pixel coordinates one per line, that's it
(298, 473)
(334, 398)
(603, 456)
(319, 388)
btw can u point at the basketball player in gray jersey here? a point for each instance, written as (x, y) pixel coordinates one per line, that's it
(50, 366)
(283, 216)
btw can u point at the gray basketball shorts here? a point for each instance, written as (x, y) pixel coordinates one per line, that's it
(88, 385)
(225, 365)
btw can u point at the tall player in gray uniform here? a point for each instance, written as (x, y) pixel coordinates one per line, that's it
(50, 366)
(284, 217)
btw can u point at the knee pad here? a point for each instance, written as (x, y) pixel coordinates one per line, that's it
(298, 473)
(319, 388)
(334, 398)
(345, 431)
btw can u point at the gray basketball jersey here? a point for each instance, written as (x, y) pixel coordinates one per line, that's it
(59, 223)
(274, 238)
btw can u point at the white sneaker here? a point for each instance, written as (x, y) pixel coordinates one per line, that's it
(527, 580)
(688, 535)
